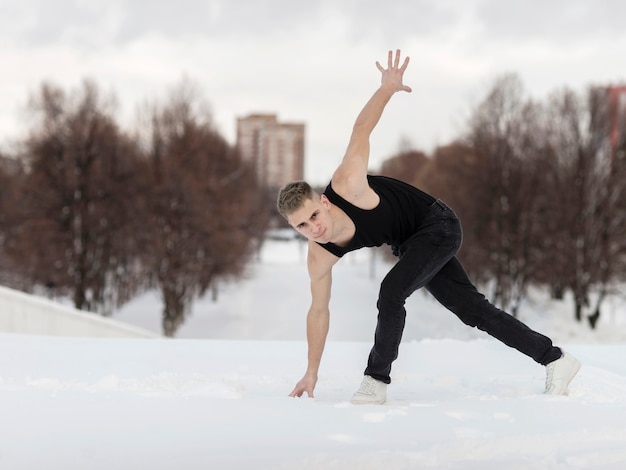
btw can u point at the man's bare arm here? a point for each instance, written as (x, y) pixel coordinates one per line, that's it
(350, 178)
(320, 264)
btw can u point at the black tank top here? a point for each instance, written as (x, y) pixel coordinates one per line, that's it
(399, 214)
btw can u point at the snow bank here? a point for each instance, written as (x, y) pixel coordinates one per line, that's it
(23, 313)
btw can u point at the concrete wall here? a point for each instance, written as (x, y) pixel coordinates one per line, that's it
(27, 314)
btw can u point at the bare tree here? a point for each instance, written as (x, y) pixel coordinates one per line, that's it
(75, 223)
(589, 188)
(204, 210)
(508, 141)
(611, 237)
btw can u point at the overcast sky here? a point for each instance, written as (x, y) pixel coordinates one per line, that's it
(309, 61)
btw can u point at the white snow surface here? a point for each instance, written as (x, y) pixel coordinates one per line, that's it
(216, 397)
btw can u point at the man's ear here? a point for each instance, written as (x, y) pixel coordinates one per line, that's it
(325, 202)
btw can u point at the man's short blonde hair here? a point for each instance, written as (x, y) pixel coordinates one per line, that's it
(292, 196)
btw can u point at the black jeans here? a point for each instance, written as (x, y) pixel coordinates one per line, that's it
(427, 259)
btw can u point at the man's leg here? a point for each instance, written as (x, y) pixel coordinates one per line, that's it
(421, 257)
(453, 289)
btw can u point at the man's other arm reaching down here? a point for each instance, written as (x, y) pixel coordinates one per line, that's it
(320, 264)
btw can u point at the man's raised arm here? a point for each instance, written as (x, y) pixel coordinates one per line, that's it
(353, 169)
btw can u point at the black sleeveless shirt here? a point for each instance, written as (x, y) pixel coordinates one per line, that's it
(397, 216)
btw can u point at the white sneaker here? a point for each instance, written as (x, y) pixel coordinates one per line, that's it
(560, 373)
(371, 392)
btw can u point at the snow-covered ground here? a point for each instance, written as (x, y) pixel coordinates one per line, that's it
(216, 397)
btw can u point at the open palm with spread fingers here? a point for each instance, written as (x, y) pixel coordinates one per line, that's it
(392, 75)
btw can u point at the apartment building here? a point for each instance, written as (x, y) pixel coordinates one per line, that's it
(275, 148)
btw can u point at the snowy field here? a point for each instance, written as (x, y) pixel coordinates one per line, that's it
(216, 397)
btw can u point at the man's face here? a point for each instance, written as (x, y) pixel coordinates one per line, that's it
(312, 220)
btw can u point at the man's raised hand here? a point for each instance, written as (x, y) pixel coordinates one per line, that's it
(392, 75)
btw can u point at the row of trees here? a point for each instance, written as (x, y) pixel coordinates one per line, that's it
(99, 213)
(541, 190)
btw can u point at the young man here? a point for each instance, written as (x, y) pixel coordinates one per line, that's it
(356, 211)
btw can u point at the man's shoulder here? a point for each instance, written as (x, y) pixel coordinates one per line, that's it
(320, 260)
(347, 183)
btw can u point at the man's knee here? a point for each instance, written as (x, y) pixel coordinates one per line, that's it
(390, 298)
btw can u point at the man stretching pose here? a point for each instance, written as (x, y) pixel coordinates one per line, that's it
(356, 211)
